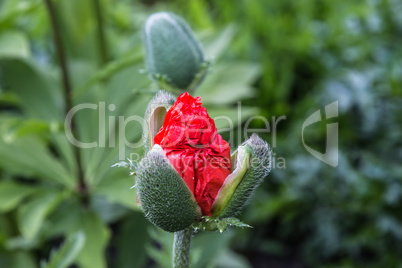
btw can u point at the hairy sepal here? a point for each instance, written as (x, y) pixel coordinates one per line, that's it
(252, 165)
(155, 116)
(165, 198)
(240, 161)
(172, 51)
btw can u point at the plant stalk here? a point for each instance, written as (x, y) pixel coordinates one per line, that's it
(103, 49)
(181, 248)
(67, 89)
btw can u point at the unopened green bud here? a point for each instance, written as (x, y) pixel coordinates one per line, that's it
(164, 196)
(172, 51)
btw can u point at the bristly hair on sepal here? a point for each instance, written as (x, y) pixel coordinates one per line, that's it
(165, 198)
(172, 50)
(258, 153)
(207, 223)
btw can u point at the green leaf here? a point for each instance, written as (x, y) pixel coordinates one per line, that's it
(32, 215)
(118, 91)
(116, 188)
(117, 84)
(21, 243)
(107, 211)
(67, 253)
(163, 253)
(97, 236)
(63, 223)
(32, 126)
(207, 246)
(17, 259)
(30, 156)
(228, 117)
(38, 97)
(80, 37)
(13, 10)
(228, 258)
(11, 194)
(107, 72)
(5, 228)
(218, 42)
(229, 82)
(13, 44)
(132, 239)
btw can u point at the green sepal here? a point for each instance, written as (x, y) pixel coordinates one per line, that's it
(165, 198)
(199, 76)
(155, 116)
(241, 161)
(172, 51)
(252, 164)
(207, 223)
(164, 82)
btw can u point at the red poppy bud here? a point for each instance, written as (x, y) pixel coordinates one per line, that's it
(188, 172)
(193, 146)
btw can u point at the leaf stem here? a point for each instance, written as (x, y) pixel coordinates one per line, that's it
(181, 248)
(58, 44)
(67, 89)
(103, 50)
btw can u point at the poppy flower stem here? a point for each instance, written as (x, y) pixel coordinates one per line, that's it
(181, 248)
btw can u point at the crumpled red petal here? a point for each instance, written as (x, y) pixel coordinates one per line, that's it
(193, 146)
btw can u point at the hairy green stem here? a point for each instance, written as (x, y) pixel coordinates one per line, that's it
(181, 248)
(67, 89)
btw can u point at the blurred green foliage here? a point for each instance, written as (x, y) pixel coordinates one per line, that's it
(278, 57)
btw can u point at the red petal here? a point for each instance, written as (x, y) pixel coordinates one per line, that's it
(195, 149)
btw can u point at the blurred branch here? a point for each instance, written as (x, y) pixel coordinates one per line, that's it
(67, 89)
(102, 44)
(60, 54)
